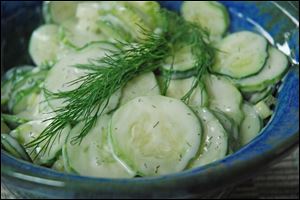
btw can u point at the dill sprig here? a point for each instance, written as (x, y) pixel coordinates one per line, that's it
(112, 72)
(197, 38)
(106, 76)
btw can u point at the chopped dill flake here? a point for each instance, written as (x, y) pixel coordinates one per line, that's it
(156, 124)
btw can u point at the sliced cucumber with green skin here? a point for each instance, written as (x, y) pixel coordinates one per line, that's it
(255, 97)
(142, 85)
(179, 88)
(34, 108)
(113, 28)
(159, 139)
(250, 126)
(131, 20)
(44, 109)
(31, 79)
(148, 11)
(214, 140)
(13, 121)
(60, 76)
(240, 55)
(272, 72)
(29, 131)
(59, 164)
(93, 156)
(179, 74)
(25, 92)
(87, 14)
(12, 146)
(8, 81)
(263, 110)
(231, 129)
(211, 16)
(44, 44)
(224, 96)
(118, 20)
(101, 19)
(76, 36)
(59, 11)
(16, 73)
(182, 61)
(24, 100)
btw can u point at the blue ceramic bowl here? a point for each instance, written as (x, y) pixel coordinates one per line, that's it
(278, 21)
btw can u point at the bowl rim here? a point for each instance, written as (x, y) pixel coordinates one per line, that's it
(255, 154)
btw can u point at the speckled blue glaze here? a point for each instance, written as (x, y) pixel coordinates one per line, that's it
(276, 139)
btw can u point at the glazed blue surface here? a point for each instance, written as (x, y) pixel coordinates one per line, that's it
(276, 138)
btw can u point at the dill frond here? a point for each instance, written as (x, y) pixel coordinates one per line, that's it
(112, 72)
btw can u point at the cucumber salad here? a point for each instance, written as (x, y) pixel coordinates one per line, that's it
(130, 89)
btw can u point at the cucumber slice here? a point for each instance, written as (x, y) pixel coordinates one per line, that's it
(44, 44)
(273, 71)
(231, 129)
(59, 164)
(8, 82)
(160, 138)
(182, 61)
(224, 96)
(37, 108)
(60, 76)
(263, 110)
(142, 85)
(114, 29)
(59, 11)
(101, 18)
(12, 146)
(240, 54)
(214, 139)
(25, 103)
(13, 121)
(93, 156)
(148, 11)
(250, 126)
(29, 80)
(255, 97)
(29, 131)
(211, 16)
(179, 74)
(16, 73)
(179, 88)
(25, 93)
(75, 35)
(117, 20)
(87, 14)
(131, 20)
(32, 107)
(44, 109)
